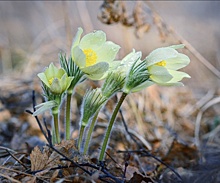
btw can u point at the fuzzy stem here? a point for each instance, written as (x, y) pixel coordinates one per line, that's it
(108, 131)
(54, 140)
(68, 102)
(80, 137)
(56, 127)
(91, 128)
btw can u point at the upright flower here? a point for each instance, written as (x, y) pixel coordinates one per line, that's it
(163, 63)
(93, 53)
(55, 82)
(55, 79)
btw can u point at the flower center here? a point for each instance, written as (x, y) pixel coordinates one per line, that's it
(51, 80)
(91, 57)
(161, 63)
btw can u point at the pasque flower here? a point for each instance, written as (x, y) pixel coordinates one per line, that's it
(55, 79)
(163, 63)
(55, 82)
(93, 53)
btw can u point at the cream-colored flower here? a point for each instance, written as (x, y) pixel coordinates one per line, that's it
(55, 79)
(93, 53)
(163, 63)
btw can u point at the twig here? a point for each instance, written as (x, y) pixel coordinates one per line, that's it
(144, 152)
(102, 166)
(16, 159)
(47, 137)
(68, 159)
(9, 178)
(132, 133)
(199, 118)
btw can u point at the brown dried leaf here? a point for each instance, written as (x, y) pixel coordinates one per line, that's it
(181, 155)
(38, 159)
(138, 178)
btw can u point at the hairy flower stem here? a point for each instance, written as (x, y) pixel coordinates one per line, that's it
(54, 140)
(91, 128)
(56, 127)
(108, 131)
(68, 101)
(80, 137)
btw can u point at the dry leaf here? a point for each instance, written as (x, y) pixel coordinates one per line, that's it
(38, 159)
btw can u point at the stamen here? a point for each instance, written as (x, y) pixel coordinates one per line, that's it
(51, 80)
(161, 63)
(91, 57)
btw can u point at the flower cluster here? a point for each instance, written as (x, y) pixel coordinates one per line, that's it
(92, 57)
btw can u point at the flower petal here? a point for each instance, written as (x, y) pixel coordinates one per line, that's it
(132, 57)
(159, 74)
(107, 52)
(77, 37)
(142, 86)
(178, 46)
(78, 57)
(178, 62)
(43, 78)
(60, 73)
(93, 40)
(160, 54)
(171, 84)
(56, 86)
(177, 76)
(51, 71)
(96, 71)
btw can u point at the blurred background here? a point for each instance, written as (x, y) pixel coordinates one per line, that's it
(33, 33)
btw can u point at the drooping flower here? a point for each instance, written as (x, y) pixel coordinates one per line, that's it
(93, 53)
(163, 63)
(55, 79)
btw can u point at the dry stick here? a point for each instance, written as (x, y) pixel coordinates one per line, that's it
(199, 117)
(107, 174)
(49, 138)
(38, 121)
(204, 61)
(150, 155)
(9, 178)
(141, 147)
(19, 161)
(50, 145)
